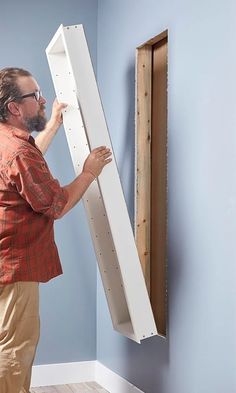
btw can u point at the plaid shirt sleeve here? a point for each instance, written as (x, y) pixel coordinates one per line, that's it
(29, 174)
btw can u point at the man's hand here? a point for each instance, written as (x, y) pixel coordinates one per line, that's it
(56, 116)
(96, 160)
(92, 168)
(45, 137)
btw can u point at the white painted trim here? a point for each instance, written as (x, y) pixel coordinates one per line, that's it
(112, 381)
(63, 373)
(77, 372)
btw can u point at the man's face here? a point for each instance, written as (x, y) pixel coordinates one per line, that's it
(32, 112)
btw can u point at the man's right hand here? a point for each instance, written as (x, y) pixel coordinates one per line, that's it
(96, 160)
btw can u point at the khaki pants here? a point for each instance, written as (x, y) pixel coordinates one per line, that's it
(19, 334)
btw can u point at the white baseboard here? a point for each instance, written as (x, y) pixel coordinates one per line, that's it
(112, 381)
(76, 372)
(62, 373)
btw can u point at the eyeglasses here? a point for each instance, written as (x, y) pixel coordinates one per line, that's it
(36, 94)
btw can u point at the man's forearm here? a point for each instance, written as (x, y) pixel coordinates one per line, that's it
(76, 190)
(44, 139)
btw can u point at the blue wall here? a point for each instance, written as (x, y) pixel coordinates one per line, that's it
(68, 303)
(199, 355)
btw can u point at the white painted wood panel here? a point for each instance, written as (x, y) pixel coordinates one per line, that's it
(107, 214)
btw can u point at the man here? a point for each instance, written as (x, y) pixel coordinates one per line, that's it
(30, 200)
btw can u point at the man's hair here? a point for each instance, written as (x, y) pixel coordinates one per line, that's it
(9, 88)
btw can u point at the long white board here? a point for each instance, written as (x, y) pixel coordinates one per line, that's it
(85, 127)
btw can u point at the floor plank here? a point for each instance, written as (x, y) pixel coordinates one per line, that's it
(86, 387)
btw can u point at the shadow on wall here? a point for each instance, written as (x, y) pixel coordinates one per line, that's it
(148, 364)
(126, 168)
(144, 365)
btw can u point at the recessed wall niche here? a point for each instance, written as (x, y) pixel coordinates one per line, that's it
(151, 171)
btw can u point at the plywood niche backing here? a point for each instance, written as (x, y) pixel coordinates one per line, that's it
(151, 171)
(104, 202)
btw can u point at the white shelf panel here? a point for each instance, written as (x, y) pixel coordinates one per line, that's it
(111, 231)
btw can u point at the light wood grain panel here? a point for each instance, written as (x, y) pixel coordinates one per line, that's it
(86, 387)
(143, 149)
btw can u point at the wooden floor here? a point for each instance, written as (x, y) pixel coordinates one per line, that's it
(86, 387)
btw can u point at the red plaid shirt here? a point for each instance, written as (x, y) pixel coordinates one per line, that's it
(30, 200)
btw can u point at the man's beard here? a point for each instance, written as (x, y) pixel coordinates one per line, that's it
(35, 123)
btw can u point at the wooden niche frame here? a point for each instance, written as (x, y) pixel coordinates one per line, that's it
(151, 171)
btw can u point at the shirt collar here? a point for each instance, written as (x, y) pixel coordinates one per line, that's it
(6, 128)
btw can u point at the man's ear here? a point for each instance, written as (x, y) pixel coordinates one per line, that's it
(13, 108)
